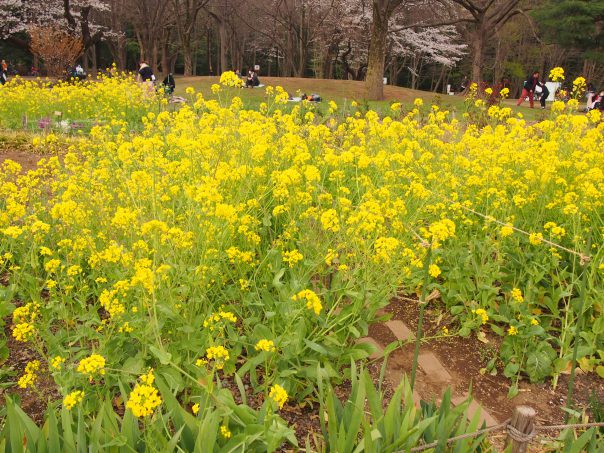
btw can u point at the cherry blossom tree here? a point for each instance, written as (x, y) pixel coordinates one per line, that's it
(74, 15)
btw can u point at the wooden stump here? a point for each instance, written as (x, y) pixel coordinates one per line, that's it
(521, 429)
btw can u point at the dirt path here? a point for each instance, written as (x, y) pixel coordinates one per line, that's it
(459, 362)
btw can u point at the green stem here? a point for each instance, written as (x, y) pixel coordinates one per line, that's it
(578, 327)
(422, 308)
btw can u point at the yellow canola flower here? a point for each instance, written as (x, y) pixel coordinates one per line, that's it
(143, 400)
(556, 74)
(230, 79)
(215, 320)
(330, 221)
(481, 312)
(278, 395)
(312, 300)
(434, 270)
(517, 295)
(442, 229)
(219, 354)
(57, 363)
(292, 257)
(92, 366)
(535, 238)
(506, 230)
(224, 432)
(29, 376)
(24, 332)
(265, 345)
(72, 399)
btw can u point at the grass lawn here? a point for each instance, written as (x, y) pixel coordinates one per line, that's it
(345, 91)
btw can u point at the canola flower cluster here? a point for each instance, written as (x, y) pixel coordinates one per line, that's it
(278, 395)
(217, 233)
(92, 366)
(112, 99)
(557, 74)
(144, 398)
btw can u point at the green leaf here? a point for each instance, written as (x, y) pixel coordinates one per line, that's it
(576, 446)
(241, 388)
(598, 326)
(277, 279)
(133, 366)
(163, 356)
(538, 365)
(513, 391)
(511, 369)
(53, 432)
(317, 347)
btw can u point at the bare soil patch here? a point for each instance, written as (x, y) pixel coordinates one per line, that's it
(465, 357)
(27, 160)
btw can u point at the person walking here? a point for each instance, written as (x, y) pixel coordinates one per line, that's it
(528, 89)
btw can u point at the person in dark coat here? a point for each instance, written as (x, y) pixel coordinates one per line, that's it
(3, 72)
(145, 73)
(146, 76)
(544, 92)
(252, 79)
(528, 89)
(169, 85)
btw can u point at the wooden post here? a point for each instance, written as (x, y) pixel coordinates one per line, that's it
(522, 428)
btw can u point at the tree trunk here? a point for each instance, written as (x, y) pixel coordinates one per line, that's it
(223, 47)
(377, 54)
(85, 62)
(95, 67)
(187, 55)
(209, 52)
(302, 61)
(165, 59)
(478, 41)
(394, 70)
(440, 78)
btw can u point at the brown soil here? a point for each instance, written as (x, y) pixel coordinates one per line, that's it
(27, 160)
(465, 357)
(32, 400)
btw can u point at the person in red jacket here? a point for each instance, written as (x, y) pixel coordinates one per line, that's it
(528, 89)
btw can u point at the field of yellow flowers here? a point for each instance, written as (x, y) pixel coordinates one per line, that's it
(169, 251)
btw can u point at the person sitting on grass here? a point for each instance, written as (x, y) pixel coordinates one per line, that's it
(252, 79)
(168, 85)
(597, 102)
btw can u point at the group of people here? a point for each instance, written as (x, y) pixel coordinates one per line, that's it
(595, 99)
(251, 79)
(147, 77)
(534, 85)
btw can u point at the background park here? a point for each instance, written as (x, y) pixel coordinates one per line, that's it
(301, 225)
